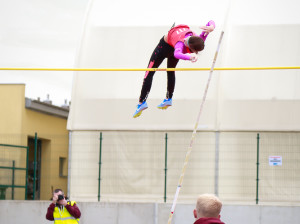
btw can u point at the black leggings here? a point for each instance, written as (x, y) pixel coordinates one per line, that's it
(162, 51)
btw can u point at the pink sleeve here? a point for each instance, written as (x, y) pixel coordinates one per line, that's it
(211, 22)
(178, 53)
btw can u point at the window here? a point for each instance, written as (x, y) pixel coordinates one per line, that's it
(63, 167)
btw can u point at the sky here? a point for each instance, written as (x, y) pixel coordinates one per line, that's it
(41, 34)
(47, 33)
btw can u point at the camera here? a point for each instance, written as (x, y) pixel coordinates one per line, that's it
(60, 197)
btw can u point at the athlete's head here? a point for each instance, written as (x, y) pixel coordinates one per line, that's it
(195, 43)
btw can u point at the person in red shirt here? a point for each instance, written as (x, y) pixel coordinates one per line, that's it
(208, 209)
(61, 210)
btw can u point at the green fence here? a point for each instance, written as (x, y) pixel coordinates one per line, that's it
(237, 166)
(9, 172)
(32, 166)
(145, 166)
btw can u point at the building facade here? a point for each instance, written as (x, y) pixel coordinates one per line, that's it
(41, 127)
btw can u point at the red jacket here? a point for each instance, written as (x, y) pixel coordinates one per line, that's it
(209, 221)
(73, 210)
(178, 33)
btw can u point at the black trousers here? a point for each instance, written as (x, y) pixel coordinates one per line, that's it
(163, 50)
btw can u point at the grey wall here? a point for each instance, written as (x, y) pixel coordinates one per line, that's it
(28, 212)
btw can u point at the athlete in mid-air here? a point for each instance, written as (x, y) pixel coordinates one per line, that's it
(180, 43)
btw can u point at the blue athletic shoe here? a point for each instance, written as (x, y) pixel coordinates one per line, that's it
(165, 104)
(139, 109)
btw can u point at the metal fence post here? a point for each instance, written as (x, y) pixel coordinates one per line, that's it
(166, 166)
(13, 181)
(217, 152)
(100, 162)
(34, 165)
(26, 181)
(257, 167)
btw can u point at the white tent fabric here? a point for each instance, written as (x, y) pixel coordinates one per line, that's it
(257, 33)
(107, 100)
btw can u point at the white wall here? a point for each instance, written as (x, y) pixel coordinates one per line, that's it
(29, 212)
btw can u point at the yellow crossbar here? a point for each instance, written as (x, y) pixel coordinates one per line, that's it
(148, 69)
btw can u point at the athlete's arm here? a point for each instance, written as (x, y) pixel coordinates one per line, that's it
(178, 52)
(209, 27)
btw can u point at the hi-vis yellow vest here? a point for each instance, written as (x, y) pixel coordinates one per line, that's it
(62, 216)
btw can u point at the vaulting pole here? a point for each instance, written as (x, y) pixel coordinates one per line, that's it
(194, 133)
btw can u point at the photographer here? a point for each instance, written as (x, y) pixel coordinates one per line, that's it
(61, 210)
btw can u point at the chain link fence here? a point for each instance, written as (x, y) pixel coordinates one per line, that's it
(146, 166)
(241, 167)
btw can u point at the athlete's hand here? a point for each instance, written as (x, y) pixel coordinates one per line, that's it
(207, 29)
(193, 57)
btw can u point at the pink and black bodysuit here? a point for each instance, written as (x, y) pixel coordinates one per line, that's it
(173, 51)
